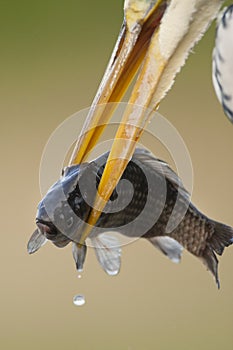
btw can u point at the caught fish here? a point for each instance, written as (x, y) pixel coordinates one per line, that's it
(149, 202)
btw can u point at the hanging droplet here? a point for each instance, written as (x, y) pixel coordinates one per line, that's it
(79, 300)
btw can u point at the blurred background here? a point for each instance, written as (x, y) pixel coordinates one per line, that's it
(53, 55)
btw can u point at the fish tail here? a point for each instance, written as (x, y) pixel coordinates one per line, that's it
(222, 237)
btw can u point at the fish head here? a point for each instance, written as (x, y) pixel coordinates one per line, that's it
(64, 210)
(50, 229)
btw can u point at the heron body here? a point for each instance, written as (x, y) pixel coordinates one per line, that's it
(223, 61)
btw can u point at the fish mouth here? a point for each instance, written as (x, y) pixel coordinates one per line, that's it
(46, 228)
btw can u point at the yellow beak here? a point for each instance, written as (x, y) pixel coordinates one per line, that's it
(132, 45)
(144, 43)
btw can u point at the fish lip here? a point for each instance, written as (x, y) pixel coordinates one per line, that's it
(46, 228)
(40, 221)
(44, 222)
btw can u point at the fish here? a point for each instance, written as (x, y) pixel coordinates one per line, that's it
(149, 202)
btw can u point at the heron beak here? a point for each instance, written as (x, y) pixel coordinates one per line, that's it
(140, 24)
(144, 42)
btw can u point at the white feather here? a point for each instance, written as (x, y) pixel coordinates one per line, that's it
(176, 53)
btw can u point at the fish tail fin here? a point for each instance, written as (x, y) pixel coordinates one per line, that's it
(222, 237)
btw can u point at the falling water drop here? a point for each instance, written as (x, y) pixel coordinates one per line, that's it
(79, 300)
(79, 276)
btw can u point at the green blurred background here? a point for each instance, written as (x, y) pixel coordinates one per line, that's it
(53, 55)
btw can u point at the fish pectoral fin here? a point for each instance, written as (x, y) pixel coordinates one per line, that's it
(169, 246)
(108, 253)
(36, 241)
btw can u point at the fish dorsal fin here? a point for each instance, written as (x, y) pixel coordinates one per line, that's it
(161, 167)
(36, 241)
(108, 252)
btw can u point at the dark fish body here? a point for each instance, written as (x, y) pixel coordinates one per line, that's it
(149, 201)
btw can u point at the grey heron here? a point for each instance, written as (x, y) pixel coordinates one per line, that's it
(156, 37)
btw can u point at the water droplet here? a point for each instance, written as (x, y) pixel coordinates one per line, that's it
(79, 276)
(79, 300)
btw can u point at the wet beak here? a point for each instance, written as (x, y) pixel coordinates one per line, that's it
(140, 25)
